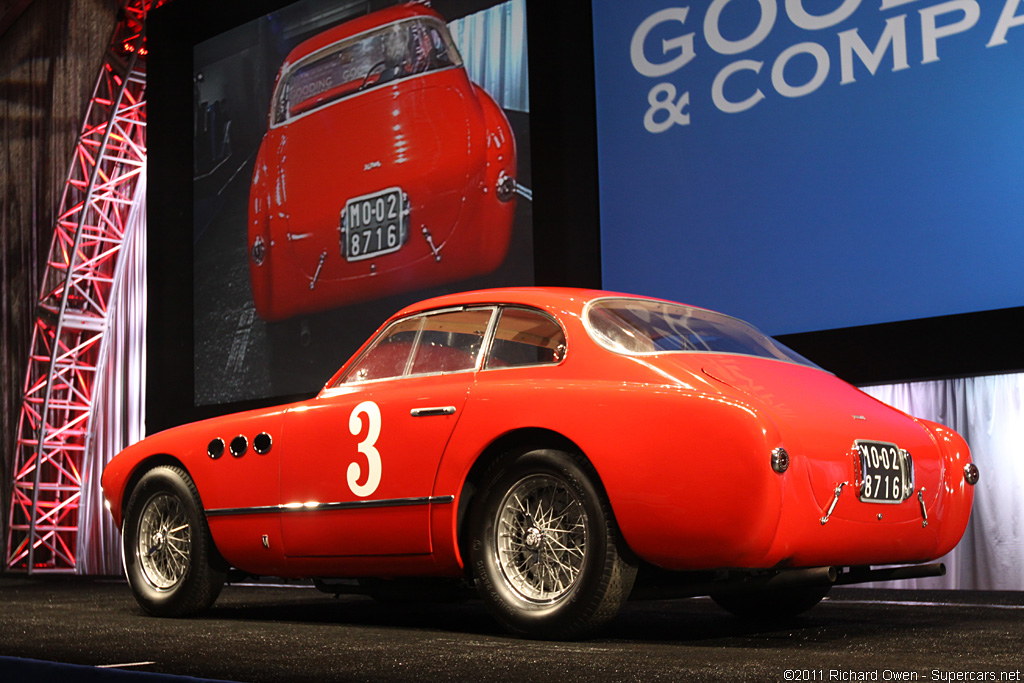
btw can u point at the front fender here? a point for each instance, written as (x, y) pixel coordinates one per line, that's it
(227, 481)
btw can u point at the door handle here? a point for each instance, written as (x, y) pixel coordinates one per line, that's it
(430, 412)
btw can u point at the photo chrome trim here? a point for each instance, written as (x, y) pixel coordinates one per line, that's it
(319, 507)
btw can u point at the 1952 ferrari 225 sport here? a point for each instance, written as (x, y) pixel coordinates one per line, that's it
(557, 451)
(384, 168)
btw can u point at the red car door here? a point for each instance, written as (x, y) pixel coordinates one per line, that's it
(358, 466)
(358, 463)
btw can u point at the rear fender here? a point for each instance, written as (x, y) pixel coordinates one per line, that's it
(954, 502)
(700, 445)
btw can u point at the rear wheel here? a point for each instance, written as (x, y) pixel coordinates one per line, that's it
(545, 548)
(172, 565)
(768, 604)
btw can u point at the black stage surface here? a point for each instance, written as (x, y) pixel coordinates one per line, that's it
(268, 633)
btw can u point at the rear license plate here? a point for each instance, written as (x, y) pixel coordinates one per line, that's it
(886, 471)
(374, 224)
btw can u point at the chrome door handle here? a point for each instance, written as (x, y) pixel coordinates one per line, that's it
(430, 412)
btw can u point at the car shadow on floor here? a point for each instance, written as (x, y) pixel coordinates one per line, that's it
(678, 621)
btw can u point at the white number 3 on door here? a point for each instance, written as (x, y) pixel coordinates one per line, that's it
(366, 447)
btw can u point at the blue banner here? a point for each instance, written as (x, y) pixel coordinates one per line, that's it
(813, 164)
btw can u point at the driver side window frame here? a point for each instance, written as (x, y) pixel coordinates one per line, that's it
(414, 346)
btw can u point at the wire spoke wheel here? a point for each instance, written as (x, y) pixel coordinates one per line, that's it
(545, 549)
(170, 559)
(541, 538)
(164, 541)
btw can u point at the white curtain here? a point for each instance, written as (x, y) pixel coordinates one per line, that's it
(493, 46)
(989, 413)
(118, 417)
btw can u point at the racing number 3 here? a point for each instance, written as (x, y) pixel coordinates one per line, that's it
(367, 447)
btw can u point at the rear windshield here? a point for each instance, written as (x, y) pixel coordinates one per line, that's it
(638, 326)
(375, 58)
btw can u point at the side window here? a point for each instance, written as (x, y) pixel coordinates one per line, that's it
(389, 355)
(525, 337)
(451, 341)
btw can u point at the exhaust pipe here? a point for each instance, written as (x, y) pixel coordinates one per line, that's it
(663, 585)
(857, 575)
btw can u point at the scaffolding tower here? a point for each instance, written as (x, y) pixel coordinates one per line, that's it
(65, 359)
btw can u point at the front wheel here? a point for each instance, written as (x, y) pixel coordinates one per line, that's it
(172, 565)
(546, 552)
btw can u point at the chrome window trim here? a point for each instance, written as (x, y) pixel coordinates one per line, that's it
(485, 347)
(320, 507)
(415, 345)
(488, 340)
(520, 367)
(494, 331)
(341, 383)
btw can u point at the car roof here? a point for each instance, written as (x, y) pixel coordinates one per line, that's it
(550, 298)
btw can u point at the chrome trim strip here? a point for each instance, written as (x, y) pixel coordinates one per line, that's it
(924, 510)
(348, 505)
(488, 340)
(835, 500)
(319, 267)
(432, 412)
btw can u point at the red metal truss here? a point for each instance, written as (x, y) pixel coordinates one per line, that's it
(54, 429)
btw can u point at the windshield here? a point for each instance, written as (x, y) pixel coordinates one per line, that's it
(636, 326)
(371, 59)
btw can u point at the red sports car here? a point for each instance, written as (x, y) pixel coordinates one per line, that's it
(557, 450)
(383, 170)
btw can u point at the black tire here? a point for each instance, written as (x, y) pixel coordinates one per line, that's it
(173, 567)
(772, 604)
(565, 571)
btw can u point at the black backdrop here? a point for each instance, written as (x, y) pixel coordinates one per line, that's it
(564, 169)
(565, 211)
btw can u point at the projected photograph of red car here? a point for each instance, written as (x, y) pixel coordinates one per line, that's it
(350, 158)
(553, 452)
(384, 168)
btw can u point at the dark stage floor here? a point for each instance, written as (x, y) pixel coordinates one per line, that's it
(265, 633)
